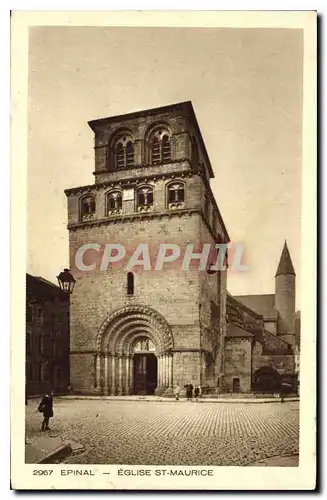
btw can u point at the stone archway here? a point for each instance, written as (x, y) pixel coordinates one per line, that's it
(115, 349)
(266, 379)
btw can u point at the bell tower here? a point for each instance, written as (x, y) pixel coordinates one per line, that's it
(285, 297)
(152, 187)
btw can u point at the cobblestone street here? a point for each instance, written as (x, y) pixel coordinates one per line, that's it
(172, 433)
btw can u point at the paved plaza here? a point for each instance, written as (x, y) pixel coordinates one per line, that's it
(172, 433)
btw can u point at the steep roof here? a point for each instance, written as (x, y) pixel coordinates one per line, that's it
(274, 344)
(285, 265)
(236, 331)
(39, 289)
(261, 304)
(244, 322)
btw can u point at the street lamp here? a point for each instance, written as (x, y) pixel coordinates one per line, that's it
(66, 281)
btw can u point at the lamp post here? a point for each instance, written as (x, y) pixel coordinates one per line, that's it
(66, 281)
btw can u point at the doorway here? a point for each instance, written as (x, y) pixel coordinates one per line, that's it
(145, 373)
(236, 385)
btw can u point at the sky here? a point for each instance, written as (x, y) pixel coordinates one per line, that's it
(246, 89)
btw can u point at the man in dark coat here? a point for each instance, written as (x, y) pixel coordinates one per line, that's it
(46, 407)
(189, 390)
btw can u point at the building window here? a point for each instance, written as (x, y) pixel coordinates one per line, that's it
(29, 313)
(114, 203)
(87, 208)
(176, 195)
(129, 154)
(236, 385)
(145, 199)
(130, 283)
(165, 145)
(123, 152)
(39, 316)
(160, 147)
(120, 156)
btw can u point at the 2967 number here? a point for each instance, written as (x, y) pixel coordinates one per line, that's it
(42, 472)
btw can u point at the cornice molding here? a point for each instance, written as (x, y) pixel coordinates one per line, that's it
(142, 166)
(133, 216)
(132, 180)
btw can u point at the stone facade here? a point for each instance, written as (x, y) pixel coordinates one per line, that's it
(152, 187)
(186, 307)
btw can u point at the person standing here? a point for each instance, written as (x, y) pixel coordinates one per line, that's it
(197, 392)
(46, 407)
(177, 391)
(189, 391)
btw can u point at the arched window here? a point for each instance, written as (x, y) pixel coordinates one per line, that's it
(120, 156)
(155, 151)
(176, 195)
(145, 199)
(166, 150)
(87, 207)
(160, 146)
(123, 150)
(130, 283)
(129, 154)
(114, 203)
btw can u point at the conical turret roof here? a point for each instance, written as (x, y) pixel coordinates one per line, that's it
(285, 265)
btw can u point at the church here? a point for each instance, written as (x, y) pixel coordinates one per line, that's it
(135, 331)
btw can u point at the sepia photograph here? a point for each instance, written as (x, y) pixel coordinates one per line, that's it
(164, 268)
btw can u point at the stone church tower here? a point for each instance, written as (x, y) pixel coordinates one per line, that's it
(142, 330)
(285, 297)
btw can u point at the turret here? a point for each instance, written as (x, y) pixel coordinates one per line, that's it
(285, 297)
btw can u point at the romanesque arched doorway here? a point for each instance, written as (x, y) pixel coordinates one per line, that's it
(134, 353)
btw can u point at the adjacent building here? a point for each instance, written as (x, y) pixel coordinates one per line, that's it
(47, 337)
(260, 342)
(140, 331)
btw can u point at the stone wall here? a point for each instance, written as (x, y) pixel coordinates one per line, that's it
(238, 364)
(282, 363)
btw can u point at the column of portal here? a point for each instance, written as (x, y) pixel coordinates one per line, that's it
(165, 370)
(120, 374)
(106, 373)
(161, 371)
(127, 372)
(97, 371)
(170, 364)
(131, 367)
(158, 371)
(113, 374)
